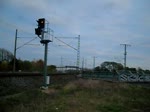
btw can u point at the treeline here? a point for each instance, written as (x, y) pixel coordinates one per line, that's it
(114, 67)
(25, 66)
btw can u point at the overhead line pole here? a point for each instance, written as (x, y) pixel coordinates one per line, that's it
(77, 49)
(14, 64)
(16, 48)
(78, 53)
(94, 62)
(125, 54)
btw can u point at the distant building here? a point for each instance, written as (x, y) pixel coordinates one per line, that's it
(65, 69)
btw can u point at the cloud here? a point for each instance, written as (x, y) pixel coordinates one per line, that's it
(38, 5)
(103, 25)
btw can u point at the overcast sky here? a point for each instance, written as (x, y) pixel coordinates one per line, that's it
(102, 25)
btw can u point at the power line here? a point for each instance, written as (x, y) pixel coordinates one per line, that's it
(66, 44)
(77, 49)
(26, 43)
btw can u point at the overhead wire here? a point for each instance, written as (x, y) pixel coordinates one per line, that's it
(66, 44)
(26, 43)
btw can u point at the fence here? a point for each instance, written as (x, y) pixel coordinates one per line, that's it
(101, 75)
(123, 76)
(134, 77)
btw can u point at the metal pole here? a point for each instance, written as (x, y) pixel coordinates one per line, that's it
(125, 54)
(94, 62)
(45, 64)
(78, 53)
(82, 64)
(14, 64)
(61, 63)
(2, 55)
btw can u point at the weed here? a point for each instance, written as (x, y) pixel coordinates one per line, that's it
(80, 95)
(111, 108)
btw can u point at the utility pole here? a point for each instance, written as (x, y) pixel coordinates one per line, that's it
(61, 63)
(82, 64)
(16, 48)
(14, 64)
(125, 53)
(45, 62)
(85, 63)
(94, 62)
(78, 53)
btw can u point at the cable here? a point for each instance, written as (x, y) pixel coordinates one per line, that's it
(26, 43)
(66, 43)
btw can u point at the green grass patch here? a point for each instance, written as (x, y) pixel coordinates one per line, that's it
(80, 96)
(111, 108)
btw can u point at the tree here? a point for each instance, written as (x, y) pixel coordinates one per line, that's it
(38, 65)
(97, 69)
(19, 64)
(4, 66)
(111, 66)
(147, 71)
(27, 65)
(51, 68)
(133, 70)
(140, 70)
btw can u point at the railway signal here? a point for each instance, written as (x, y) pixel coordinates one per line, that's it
(41, 23)
(43, 32)
(41, 26)
(38, 31)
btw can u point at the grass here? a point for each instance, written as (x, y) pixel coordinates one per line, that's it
(80, 96)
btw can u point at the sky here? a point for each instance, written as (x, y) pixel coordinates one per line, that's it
(102, 25)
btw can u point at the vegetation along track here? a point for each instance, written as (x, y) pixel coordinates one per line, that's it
(80, 95)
